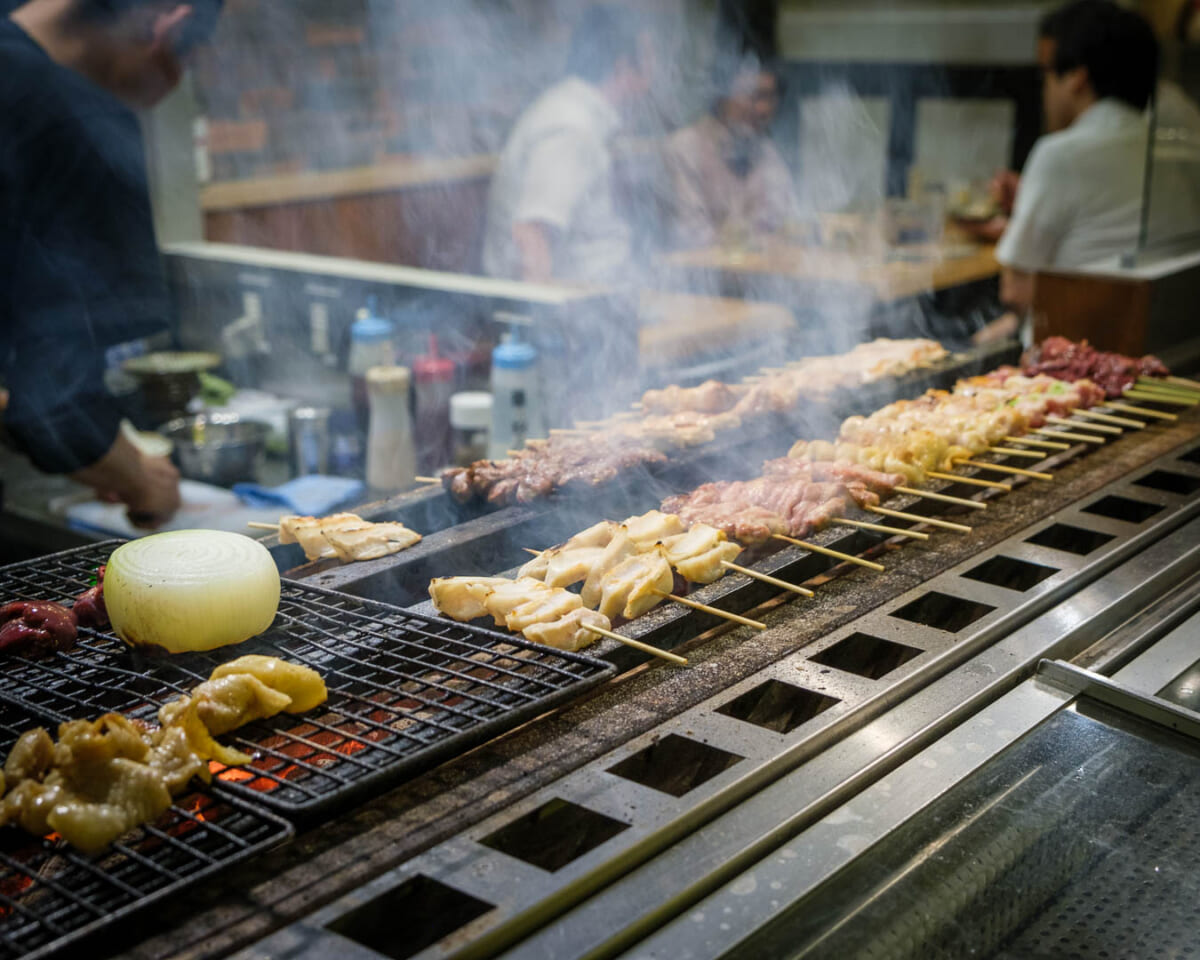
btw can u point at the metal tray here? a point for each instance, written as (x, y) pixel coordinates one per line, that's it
(52, 896)
(406, 691)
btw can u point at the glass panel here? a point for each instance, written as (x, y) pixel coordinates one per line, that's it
(1078, 841)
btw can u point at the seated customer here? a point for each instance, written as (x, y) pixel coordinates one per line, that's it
(727, 177)
(1080, 195)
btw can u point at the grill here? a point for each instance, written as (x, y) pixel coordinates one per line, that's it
(405, 690)
(52, 896)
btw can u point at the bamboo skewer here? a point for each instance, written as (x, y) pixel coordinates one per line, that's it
(1066, 435)
(1004, 468)
(256, 525)
(1011, 452)
(705, 608)
(1044, 444)
(932, 521)
(1184, 382)
(767, 578)
(1155, 396)
(428, 479)
(636, 644)
(1171, 389)
(1169, 383)
(836, 554)
(1097, 427)
(1109, 418)
(973, 481)
(1140, 411)
(880, 528)
(945, 498)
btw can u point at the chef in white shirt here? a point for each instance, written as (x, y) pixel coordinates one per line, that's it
(552, 211)
(1080, 194)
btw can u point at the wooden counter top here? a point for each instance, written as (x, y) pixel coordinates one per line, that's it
(678, 325)
(395, 173)
(890, 279)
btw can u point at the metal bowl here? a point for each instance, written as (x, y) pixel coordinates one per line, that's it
(219, 448)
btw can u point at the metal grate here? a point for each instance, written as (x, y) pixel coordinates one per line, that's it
(51, 895)
(405, 690)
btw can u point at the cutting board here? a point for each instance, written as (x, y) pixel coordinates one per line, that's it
(204, 506)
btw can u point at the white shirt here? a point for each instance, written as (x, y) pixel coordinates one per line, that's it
(557, 169)
(1080, 198)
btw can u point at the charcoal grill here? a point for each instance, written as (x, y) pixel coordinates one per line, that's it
(405, 690)
(52, 896)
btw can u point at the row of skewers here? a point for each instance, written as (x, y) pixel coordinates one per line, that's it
(626, 568)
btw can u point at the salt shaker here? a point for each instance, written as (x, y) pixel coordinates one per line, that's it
(391, 453)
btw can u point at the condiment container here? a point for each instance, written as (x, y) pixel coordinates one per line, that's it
(309, 440)
(470, 421)
(371, 345)
(434, 375)
(516, 404)
(391, 454)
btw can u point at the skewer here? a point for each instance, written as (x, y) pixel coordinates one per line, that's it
(1011, 452)
(836, 554)
(1168, 383)
(1045, 444)
(973, 481)
(1077, 437)
(880, 528)
(932, 521)
(428, 479)
(1108, 418)
(511, 453)
(256, 525)
(767, 578)
(1158, 386)
(636, 644)
(536, 553)
(1140, 411)
(705, 608)
(1184, 382)
(1097, 427)
(1004, 468)
(945, 498)
(1156, 396)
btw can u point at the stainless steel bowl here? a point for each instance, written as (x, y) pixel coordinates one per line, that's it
(219, 448)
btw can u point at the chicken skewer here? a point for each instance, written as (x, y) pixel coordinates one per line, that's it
(345, 536)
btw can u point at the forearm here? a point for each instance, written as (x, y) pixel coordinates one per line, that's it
(1016, 289)
(535, 251)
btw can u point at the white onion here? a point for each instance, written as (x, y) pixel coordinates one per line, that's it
(190, 590)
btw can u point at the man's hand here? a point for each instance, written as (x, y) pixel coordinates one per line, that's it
(148, 486)
(1004, 327)
(1004, 189)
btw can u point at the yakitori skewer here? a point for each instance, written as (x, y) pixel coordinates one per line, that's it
(1012, 452)
(1043, 444)
(880, 528)
(1067, 435)
(836, 554)
(1168, 383)
(1075, 424)
(1184, 382)
(635, 644)
(917, 518)
(1160, 396)
(973, 481)
(1170, 389)
(1108, 418)
(1005, 468)
(943, 497)
(705, 608)
(767, 578)
(428, 479)
(258, 525)
(1139, 411)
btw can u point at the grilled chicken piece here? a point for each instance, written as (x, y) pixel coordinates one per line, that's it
(304, 687)
(309, 532)
(653, 527)
(568, 633)
(542, 608)
(507, 595)
(369, 541)
(597, 535)
(619, 549)
(706, 567)
(699, 539)
(571, 566)
(631, 588)
(462, 598)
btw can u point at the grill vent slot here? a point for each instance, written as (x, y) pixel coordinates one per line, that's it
(1123, 508)
(943, 612)
(1170, 482)
(675, 765)
(410, 917)
(1010, 573)
(1192, 457)
(866, 656)
(777, 706)
(554, 834)
(1077, 540)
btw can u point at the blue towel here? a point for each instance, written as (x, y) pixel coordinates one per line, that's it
(311, 495)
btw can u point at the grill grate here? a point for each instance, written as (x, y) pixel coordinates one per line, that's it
(51, 895)
(405, 690)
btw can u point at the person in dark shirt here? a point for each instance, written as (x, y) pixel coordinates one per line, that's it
(79, 265)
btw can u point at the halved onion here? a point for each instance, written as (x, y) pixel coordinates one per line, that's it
(191, 590)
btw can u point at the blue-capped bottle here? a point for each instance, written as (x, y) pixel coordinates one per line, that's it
(372, 344)
(516, 396)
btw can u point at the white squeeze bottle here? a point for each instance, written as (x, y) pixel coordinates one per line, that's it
(391, 452)
(516, 406)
